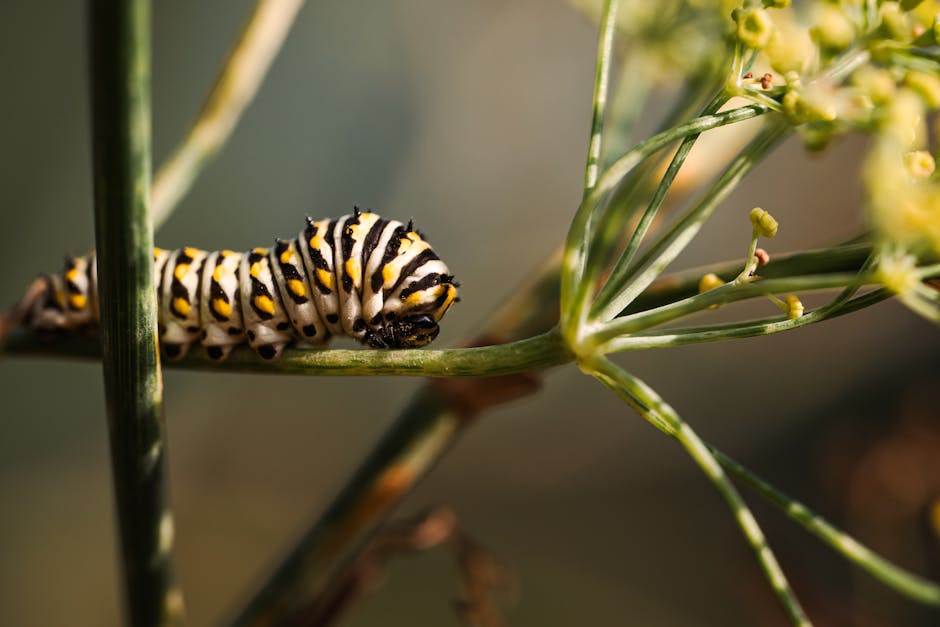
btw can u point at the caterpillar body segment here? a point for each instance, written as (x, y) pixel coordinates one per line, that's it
(363, 276)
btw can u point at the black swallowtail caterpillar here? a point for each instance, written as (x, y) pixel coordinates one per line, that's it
(375, 280)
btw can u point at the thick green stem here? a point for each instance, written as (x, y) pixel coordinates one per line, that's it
(120, 72)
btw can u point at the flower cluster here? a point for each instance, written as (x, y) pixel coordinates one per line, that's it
(868, 67)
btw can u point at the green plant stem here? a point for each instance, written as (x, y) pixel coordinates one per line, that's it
(672, 287)
(649, 405)
(605, 45)
(727, 293)
(608, 22)
(120, 77)
(624, 200)
(238, 82)
(579, 235)
(533, 353)
(671, 243)
(738, 330)
(907, 583)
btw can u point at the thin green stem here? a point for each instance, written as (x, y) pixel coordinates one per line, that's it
(534, 353)
(234, 89)
(605, 45)
(724, 294)
(633, 90)
(618, 275)
(738, 330)
(668, 288)
(623, 201)
(579, 234)
(120, 77)
(654, 409)
(896, 578)
(671, 243)
(750, 262)
(598, 108)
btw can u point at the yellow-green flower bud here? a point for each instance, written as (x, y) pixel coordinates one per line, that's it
(903, 119)
(754, 27)
(790, 48)
(794, 307)
(763, 222)
(776, 4)
(877, 84)
(709, 282)
(919, 164)
(833, 30)
(813, 104)
(895, 23)
(926, 85)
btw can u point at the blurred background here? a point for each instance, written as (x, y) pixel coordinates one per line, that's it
(472, 118)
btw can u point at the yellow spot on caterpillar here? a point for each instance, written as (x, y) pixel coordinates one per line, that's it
(218, 273)
(325, 277)
(157, 252)
(71, 275)
(191, 252)
(260, 251)
(287, 255)
(415, 298)
(296, 287)
(404, 245)
(255, 270)
(181, 306)
(388, 273)
(352, 270)
(78, 301)
(222, 308)
(264, 303)
(180, 271)
(316, 242)
(226, 253)
(451, 295)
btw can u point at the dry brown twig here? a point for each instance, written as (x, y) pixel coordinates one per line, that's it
(480, 574)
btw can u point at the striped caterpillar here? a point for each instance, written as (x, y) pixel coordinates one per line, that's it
(375, 280)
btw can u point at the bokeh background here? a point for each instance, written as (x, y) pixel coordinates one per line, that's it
(472, 118)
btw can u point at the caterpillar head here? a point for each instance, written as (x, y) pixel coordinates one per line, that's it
(420, 306)
(413, 331)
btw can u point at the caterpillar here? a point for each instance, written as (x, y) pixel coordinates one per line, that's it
(362, 276)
